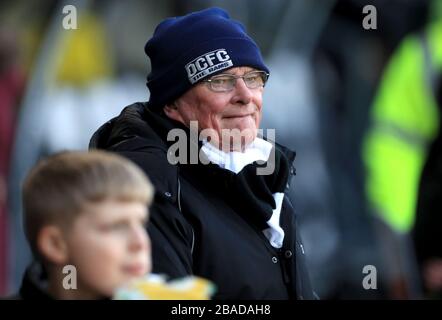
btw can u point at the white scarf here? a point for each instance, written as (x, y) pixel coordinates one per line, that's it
(258, 150)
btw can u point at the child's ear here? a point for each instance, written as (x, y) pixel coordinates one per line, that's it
(52, 244)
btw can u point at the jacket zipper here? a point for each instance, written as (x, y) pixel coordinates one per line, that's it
(179, 207)
(179, 195)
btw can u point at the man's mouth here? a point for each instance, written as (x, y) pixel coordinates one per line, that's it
(238, 116)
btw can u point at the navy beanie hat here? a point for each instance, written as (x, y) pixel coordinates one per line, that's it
(185, 50)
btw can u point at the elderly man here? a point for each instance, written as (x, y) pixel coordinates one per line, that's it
(215, 217)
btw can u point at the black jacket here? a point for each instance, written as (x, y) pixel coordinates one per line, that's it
(200, 223)
(34, 284)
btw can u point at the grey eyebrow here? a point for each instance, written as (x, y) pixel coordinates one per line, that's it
(225, 74)
(232, 74)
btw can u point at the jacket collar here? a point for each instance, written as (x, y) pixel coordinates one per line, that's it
(34, 284)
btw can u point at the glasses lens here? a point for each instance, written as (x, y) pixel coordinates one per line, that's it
(222, 83)
(226, 82)
(255, 79)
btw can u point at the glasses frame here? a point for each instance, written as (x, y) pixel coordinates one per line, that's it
(235, 78)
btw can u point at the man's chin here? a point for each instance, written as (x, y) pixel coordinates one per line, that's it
(241, 123)
(238, 142)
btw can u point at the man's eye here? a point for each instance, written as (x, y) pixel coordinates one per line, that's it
(255, 77)
(221, 81)
(252, 78)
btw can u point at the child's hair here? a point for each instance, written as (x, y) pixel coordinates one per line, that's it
(61, 186)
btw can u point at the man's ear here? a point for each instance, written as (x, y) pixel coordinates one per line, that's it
(171, 110)
(52, 245)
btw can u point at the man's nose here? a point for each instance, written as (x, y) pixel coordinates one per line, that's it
(242, 94)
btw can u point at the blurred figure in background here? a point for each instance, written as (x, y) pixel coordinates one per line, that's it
(348, 63)
(403, 156)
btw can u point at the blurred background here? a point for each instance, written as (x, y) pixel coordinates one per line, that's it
(360, 107)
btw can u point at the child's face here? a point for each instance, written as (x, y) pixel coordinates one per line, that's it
(108, 245)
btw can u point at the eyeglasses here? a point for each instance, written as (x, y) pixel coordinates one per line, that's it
(226, 82)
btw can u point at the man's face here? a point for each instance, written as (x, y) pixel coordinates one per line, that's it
(240, 108)
(109, 246)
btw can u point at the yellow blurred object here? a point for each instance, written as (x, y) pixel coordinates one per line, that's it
(154, 287)
(84, 54)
